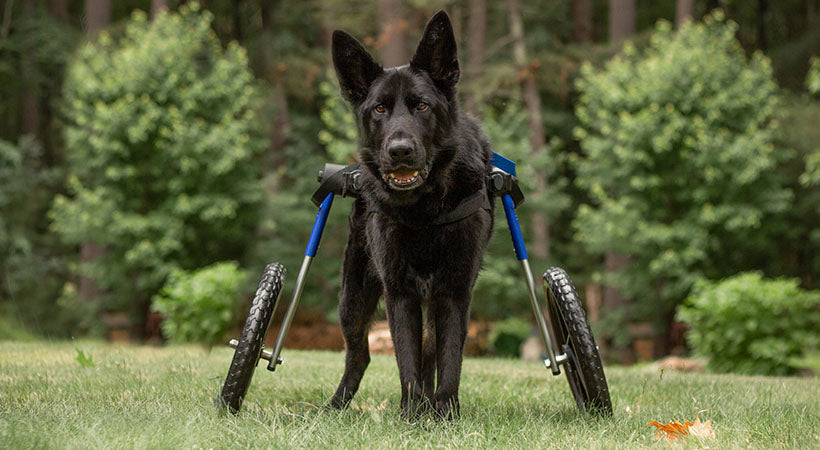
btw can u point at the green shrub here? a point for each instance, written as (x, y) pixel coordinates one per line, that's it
(813, 77)
(11, 330)
(199, 306)
(749, 325)
(679, 163)
(507, 335)
(163, 147)
(31, 258)
(811, 177)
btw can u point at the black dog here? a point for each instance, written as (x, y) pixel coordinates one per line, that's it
(420, 226)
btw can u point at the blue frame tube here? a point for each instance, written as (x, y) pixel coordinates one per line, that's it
(515, 228)
(521, 254)
(319, 226)
(310, 252)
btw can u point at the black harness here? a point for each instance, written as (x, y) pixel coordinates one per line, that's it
(346, 181)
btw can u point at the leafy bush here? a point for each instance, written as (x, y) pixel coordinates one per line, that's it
(749, 325)
(199, 306)
(811, 177)
(31, 258)
(162, 145)
(507, 335)
(10, 330)
(679, 158)
(813, 77)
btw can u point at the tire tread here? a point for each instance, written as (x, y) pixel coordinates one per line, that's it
(583, 343)
(247, 353)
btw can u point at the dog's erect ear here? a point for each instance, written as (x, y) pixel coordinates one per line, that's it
(355, 68)
(437, 54)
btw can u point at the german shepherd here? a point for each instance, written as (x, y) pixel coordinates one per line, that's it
(411, 239)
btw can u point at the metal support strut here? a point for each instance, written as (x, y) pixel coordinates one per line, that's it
(552, 360)
(310, 252)
(521, 253)
(275, 359)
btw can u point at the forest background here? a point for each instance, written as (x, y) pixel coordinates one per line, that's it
(575, 91)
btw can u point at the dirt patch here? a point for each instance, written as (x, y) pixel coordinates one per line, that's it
(679, 364)
(475, 345)
(309, 336)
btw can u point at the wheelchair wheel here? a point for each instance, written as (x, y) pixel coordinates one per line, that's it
(250, 343)
(583, 366)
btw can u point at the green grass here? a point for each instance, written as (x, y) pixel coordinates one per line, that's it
(148, 397)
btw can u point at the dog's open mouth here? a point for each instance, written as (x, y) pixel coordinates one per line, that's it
(404, 179)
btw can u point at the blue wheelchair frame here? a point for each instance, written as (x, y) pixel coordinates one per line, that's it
(552, 360)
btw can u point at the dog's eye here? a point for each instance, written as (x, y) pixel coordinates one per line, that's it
(421, 106)
(380, 109)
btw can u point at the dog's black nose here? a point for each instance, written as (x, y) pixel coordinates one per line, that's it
(400, 150)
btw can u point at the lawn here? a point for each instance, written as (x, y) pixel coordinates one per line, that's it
(161, 397)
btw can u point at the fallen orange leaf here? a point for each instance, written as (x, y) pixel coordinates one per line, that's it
(702, 429)
(676, 430)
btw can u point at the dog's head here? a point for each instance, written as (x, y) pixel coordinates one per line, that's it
(404, 113)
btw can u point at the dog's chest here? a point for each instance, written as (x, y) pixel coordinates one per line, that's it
(401, 249)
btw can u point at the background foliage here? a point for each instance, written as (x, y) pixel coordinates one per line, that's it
(163, 140)
(183, 139)
(680, 159)
(199, 306)
(746, 324)
(30, 266)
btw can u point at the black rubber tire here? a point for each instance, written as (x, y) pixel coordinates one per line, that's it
(246, 357)
(584, 369)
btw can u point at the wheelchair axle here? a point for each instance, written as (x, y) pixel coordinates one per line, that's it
(264, 354)
(559, 359)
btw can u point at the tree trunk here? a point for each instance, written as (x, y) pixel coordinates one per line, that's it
(582, 20)
(238, 31)
(280, 125)
(59, 9)
(90, 251)
(97, 15)
(8, 8)
(621, 26)
(621, 19)
(456, 19)
(613, 301)
(762, 11)
(526, 75)
(279, 128)
(476, 42)
(392, 42)
(29, 100)
(50, 140)
(265, 11)
(157, 6)
(685, 11)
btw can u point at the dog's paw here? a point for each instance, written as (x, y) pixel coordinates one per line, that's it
(416, 409)
(338, 402)
(447, 409)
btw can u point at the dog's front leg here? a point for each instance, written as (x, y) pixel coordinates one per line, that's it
(361, 289)
(451, 315)
(405, 318)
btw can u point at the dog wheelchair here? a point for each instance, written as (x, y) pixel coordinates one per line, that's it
(563, 327)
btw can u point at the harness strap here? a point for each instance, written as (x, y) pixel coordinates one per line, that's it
(466, 208)
(342, 181)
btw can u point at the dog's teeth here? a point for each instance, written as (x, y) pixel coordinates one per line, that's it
(415, 173)
(393, 175)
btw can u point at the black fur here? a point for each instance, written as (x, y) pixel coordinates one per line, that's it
(409, 121)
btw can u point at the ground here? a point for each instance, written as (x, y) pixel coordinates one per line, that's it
(161, 397)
